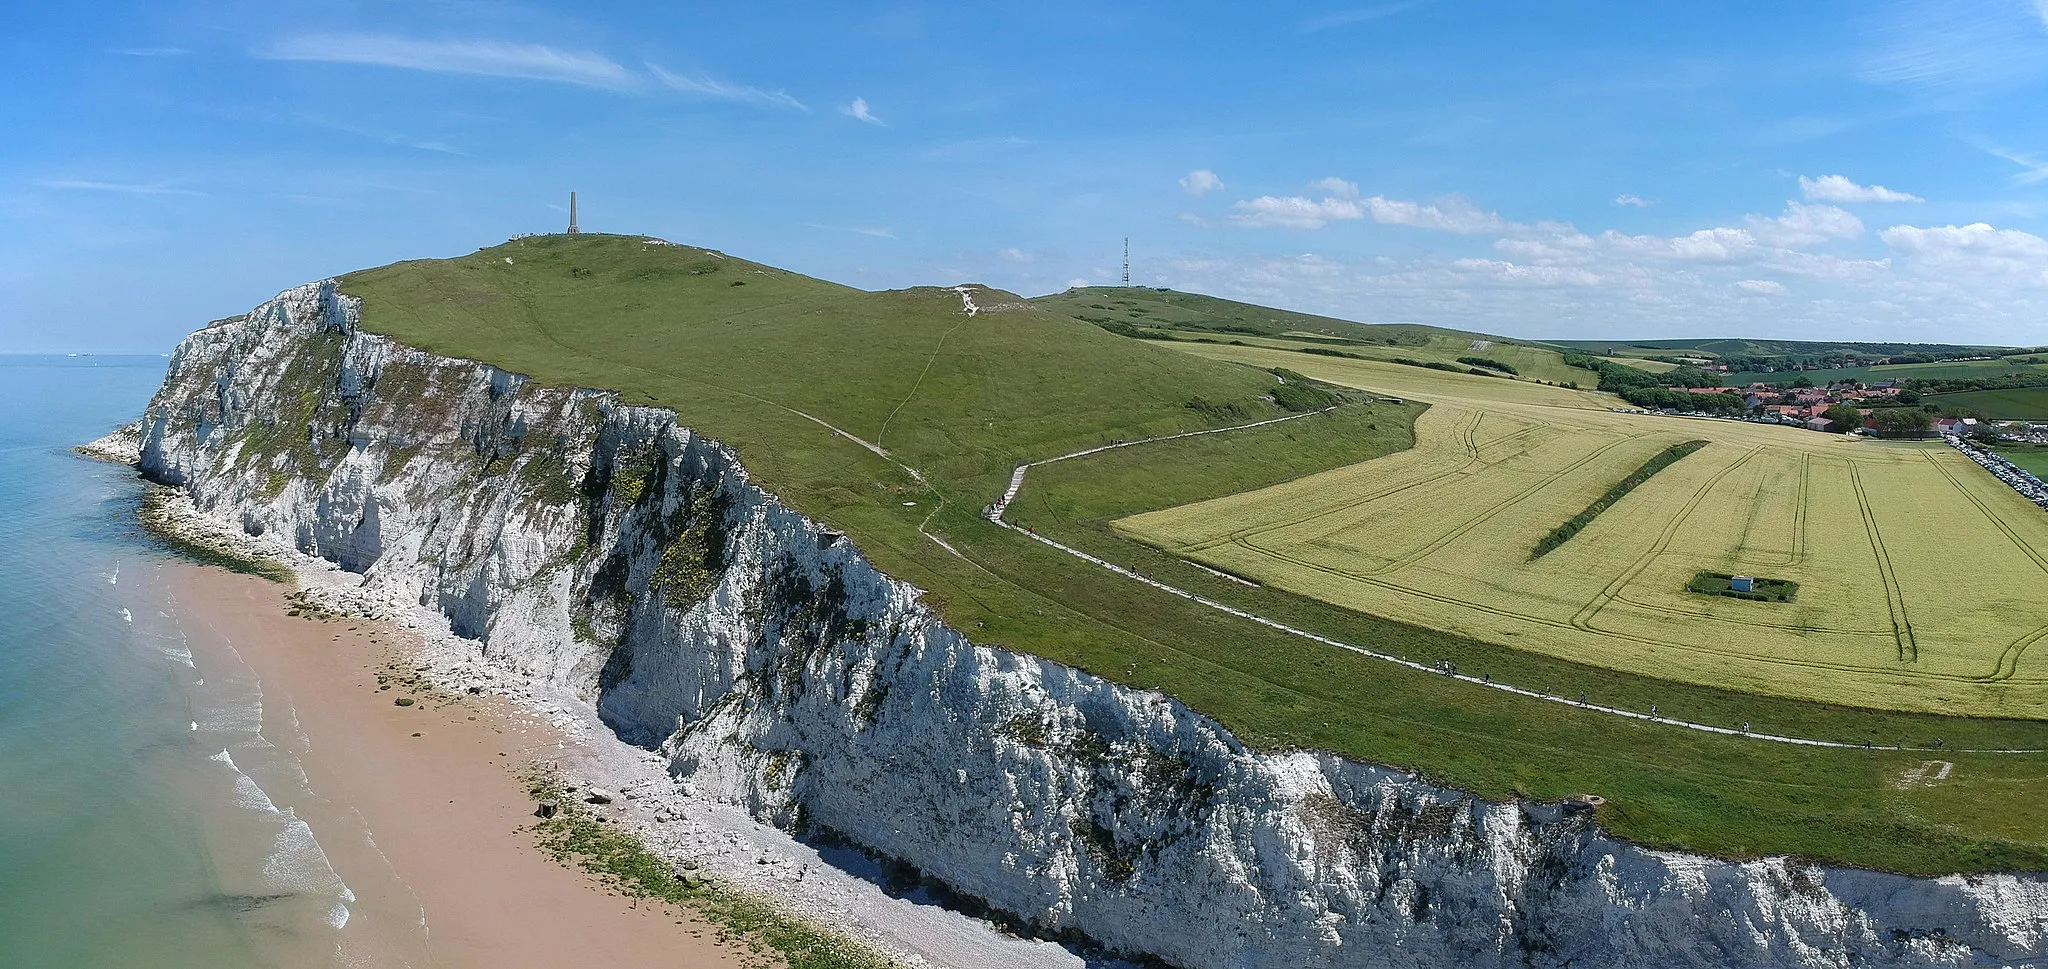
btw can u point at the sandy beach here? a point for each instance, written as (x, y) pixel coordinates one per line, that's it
(443, 864)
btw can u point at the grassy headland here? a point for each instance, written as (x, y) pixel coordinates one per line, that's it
(743, 352)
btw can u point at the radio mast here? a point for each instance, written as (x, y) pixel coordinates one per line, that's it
(1127, 260)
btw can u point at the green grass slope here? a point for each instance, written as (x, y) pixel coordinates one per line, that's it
(756, 357)
(2022, 404)
(907, 370)
(1174, 315)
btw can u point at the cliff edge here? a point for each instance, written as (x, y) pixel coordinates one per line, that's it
(609, 549)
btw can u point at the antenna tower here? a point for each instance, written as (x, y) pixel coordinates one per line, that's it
(572, 215)
(1127, 260)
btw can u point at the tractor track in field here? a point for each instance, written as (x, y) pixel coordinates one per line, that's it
(1463, 434)
(995, 515)
(1467, 435)
(1460, 530)
(1451, 600)
(1894, 596)
(2008, 662)
(1583, 619)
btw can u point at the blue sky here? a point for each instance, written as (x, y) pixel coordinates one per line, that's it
(1867, 170)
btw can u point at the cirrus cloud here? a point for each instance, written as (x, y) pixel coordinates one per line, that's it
(489, 58)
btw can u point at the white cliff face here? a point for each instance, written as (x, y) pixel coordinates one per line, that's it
(604, 547)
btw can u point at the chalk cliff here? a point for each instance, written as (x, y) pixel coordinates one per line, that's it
(609, 548)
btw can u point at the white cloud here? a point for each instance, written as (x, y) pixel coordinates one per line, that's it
(720, 90)
(1718, 244)
(1452, 213)
(1634, 201)
(1294, 212)
(151, 51)
(483, 57)
(1508, 272)
(1809, 269)
(1013, 254)
(1838, 188)
(1805, 225)
(1200, 182)
(859, 110)
(1335, 186)
(1971, 253)
(1076, 283)
(122, 188)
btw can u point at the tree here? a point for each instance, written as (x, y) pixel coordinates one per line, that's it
(1843, 418)
(1801, 383)
(1902, 421)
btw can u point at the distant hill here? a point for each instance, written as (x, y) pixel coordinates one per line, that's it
(1168, 315)
(1727, 347)
(745, 348)
(1166, 309)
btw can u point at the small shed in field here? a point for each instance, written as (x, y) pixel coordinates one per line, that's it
(1742, 583)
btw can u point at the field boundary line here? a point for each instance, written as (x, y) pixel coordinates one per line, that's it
(995, 512)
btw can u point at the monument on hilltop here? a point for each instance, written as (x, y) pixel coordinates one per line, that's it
(572, 215)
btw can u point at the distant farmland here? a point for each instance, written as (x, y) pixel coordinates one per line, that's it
(1878, 536)
(1947, 369)
(2025, 404)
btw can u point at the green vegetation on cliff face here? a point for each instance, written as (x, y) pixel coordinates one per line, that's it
(757, 357)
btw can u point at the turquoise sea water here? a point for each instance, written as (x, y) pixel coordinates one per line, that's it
(139, 796)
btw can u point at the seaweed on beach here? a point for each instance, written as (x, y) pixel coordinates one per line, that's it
(157, 521)
(574, 836)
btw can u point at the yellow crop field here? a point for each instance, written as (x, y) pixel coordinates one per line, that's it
(1923, 581)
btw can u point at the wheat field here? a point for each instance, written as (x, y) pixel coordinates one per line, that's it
(1923, 580)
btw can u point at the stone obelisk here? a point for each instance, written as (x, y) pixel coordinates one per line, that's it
(572, 215)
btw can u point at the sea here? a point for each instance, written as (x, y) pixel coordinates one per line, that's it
(152, 811)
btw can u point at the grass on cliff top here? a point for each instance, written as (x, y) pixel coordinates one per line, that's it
(964, 399)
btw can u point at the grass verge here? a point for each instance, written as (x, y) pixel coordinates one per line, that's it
(621, 862)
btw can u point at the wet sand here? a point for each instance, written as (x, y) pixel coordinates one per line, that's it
(448, 874)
